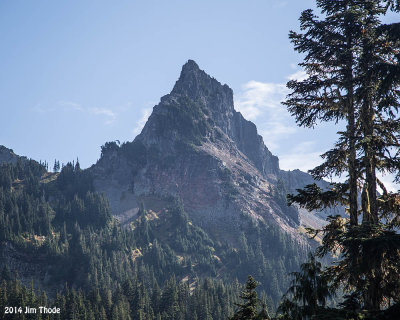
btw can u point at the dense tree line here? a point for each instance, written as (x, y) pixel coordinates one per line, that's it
(66, 229)
(132, 299)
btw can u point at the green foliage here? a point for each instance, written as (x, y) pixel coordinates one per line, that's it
(187, 117)
(135, 152)
(308, 292)
(22, 205)
(71, 182)
(132, 300)
(66, 229)
(71, 226)
(351, 60)
(228, 187)
(248, 309)
(109, 147)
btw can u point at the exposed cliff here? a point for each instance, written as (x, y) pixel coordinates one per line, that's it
(196, 147)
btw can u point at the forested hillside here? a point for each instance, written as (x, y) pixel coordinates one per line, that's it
(59, 237)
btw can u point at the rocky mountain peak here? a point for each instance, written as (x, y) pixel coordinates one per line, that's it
(196, 147)
(190, 66)
(200, 109)
(198, 85)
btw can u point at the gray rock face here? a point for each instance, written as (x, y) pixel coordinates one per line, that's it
(196, 147)
(252, 145)
(218, 99)
(8, 156)
(216, 104)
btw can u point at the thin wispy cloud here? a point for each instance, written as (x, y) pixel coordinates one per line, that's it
(263, 101)
(108, 113)
(259, 97)
(70, 106)
(40, 108)
(274, 132)
(146, 112)
(303, 157)
(299, 75)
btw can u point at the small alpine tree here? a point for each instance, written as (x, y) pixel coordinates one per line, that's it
(248, 309)
(56, 166)
(308, 293)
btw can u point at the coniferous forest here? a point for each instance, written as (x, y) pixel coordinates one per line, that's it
(61, 248)
(158, 268)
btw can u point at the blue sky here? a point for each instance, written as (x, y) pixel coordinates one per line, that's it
(75, 74)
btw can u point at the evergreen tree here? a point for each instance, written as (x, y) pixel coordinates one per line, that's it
(308, 292)
(56, 166)
(352, 62)
(248, 309)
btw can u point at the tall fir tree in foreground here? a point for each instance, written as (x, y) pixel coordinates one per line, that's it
(352, 63)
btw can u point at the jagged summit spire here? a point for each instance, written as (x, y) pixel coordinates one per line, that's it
(197, 102)
(191, 75)
(189, 66)
(194, 82)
